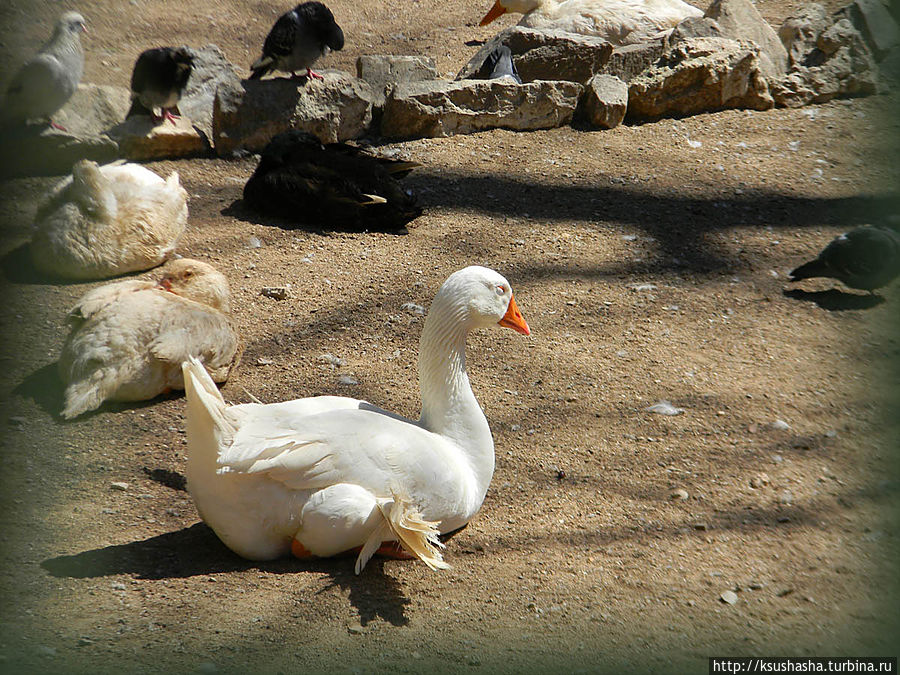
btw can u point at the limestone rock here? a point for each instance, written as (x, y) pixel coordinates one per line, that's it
(247, 115)
(93, 109)
(442, 108)
(605, 101)
(740, 20)
(141, 140)
(700, 75)
(873, 20)
(383, 71)
(34, 151)
(800, 31)
(629, 61)
(544, 55)
(695, 26)
(211, 69)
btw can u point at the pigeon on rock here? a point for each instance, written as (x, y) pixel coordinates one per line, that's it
(48, 79)
(334, 185)
(865, 258)
(298, 39)
(159, 77)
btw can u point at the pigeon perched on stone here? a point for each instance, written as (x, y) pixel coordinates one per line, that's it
(331, 186)
(499, 63)
(865, 258)
(298, 39)
(48, 79)
(158, 78)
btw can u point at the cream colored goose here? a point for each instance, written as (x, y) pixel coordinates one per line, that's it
(108, 220)
(620, 22)
(129, 338)
(324, 475)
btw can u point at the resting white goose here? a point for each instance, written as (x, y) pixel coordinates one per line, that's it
(129, 338)
(108, 220)
(620, 22)
(324, 475)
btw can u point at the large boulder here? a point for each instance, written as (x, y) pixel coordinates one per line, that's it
(544, 55)
(210, 70)
(247, 115)
(700, 75)
(442, 108)
(384, 71)
(840, 65)
(94, 108)
(801, 30)
(740, 20)
(873, 20)
(605, 101)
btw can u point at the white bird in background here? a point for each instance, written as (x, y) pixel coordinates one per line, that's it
(108, 220)
(619, 22)
(47, 80)
(324, 475)
(129, 338)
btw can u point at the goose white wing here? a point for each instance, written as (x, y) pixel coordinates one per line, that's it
(363, 447)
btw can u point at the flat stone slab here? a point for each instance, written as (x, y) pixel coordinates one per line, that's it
(49, 152)
(444, 108)
(141, 140)
(384, 71)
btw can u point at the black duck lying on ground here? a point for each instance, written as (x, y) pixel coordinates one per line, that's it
(334, 186)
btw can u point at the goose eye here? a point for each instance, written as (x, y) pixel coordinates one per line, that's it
(501, 290)
(188, 274)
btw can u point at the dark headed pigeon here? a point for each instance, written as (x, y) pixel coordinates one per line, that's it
(865, 258)
(48, 79)
(158, 78)
(334, 185)
(298, 39)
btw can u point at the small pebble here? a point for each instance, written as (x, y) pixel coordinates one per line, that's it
(413, 308)
(119, 486)
(254, 242)
(355, 628)
(276, 292)
(729, 596)
(348, 380)
(760, 480)
(664, 408)
(333, 360)
(262, 361)
(679, 494)
(780, 425)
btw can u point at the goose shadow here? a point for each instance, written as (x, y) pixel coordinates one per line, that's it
(835, 300)
(18, 268)
(239, 210)
(197, 551)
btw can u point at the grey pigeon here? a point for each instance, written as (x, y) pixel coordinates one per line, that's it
(298, 39)
(159, 76)
(500, 64)
(48, 79)
(865, 258)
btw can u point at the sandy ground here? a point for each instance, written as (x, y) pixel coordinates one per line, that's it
(650, 262)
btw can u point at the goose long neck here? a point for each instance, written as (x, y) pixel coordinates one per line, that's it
(449, 407)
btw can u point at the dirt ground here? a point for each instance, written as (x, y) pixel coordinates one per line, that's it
(650, 262)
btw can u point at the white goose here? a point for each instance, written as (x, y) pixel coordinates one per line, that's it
(620, 22)
(324, 475)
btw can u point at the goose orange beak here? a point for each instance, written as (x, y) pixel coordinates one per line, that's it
(496, 11)
(514, 319)
(165, 283)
